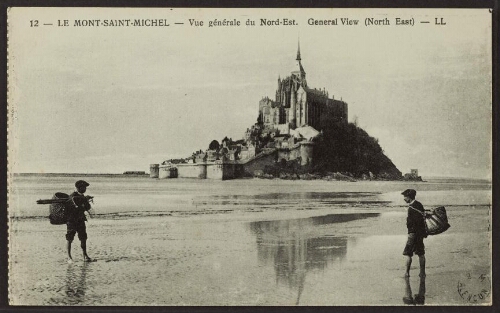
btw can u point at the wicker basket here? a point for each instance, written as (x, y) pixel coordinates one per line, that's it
(437, 221)
(57, 211)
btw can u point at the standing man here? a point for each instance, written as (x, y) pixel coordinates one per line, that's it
(76, 219)
(416, 231)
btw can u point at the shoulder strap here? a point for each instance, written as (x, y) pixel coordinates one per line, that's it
(423, 214)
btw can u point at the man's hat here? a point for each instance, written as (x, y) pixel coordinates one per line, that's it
(81, 183)
(409, 193)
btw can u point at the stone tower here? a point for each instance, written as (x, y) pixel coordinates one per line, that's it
(298, 105)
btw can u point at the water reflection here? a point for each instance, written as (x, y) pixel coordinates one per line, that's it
(297, 195)
(293, 247)
(419, 298)
(76, 283)
(290, 198)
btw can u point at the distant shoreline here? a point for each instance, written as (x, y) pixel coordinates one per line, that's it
(432, 178)
(79, 174)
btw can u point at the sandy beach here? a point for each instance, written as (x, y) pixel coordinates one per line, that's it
(182, 117)
(216, 246)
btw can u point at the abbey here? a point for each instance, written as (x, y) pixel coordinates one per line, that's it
(297, 105)
(286, 133)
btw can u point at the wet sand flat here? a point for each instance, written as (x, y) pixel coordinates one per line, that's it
(353, 257)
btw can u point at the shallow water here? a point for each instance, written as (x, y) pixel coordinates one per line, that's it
(143, 196)
(336, 259)
(246, 242)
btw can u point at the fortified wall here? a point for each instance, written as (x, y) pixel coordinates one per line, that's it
(207, 170)
(224, 170)
(286, 130)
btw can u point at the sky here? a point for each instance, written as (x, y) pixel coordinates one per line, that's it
(114, 99)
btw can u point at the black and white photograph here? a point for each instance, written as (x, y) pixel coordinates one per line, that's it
(249, 157)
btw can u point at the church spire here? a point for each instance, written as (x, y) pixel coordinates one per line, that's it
(299, 72)
(298, 51)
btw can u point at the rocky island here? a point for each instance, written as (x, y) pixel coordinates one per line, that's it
(302, 134)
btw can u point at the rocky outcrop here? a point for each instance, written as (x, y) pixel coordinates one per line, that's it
(348, 148)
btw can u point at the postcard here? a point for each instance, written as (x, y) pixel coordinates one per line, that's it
(249, 157)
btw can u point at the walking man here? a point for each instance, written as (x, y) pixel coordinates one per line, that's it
(416, 231)
(76, 219)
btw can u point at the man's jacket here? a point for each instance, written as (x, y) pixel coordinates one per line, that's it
(415, 220)
(76, 213)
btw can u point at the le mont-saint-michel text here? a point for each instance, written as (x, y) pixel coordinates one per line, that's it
(234, 22)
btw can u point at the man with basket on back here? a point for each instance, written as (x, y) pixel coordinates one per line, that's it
(416, 231)
(76, 219)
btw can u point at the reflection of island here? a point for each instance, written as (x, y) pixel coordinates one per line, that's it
(293, 247)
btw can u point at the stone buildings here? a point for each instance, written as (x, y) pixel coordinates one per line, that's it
(413, 175)
(285, 132)
(296, 104)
